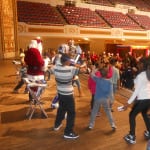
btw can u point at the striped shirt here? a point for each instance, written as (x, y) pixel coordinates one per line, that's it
(63, 77)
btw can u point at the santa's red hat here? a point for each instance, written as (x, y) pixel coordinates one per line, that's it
(38, 39)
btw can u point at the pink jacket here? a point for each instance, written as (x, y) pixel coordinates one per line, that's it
(92, 83)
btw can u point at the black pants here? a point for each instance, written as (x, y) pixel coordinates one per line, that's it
(140, 106)
(66, 105)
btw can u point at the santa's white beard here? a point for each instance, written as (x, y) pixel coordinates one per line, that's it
(40, 48)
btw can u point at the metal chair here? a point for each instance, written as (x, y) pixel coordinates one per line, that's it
(36, 89)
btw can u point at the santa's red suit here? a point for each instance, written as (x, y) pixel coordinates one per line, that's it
(34, 61)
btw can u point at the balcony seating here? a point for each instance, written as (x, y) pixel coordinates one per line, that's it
(40, 13)
(118, 20)
(81, 17)
(147, 2)
(142, 20)
(141, 4)
(30, 12)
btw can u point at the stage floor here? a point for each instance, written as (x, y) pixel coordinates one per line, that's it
(19, 133)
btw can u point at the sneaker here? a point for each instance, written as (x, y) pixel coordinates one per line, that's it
(130, 139)
(147, 134)
(71, 136)
(56, 128)
(65, 116)
(90, 127)
(113, 127)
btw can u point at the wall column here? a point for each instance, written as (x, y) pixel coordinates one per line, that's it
(8, 29)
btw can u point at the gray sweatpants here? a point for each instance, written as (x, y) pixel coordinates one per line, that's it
(106, 105)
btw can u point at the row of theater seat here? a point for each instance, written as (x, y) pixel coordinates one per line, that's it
(61, 15)
(38, 13)
(81, 16)
(143, 21)
(118, 20)
(140, 4)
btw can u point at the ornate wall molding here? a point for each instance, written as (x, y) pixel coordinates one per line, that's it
(22, 28)
(148, 34)
(136, 34)
(117, 32)
(46, 30)
(1, 33)
(8, 27)
(8, 21)
(71, 29)
(96, 32)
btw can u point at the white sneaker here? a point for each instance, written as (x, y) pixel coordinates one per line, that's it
(71, 136)
(113, 127)
(56, 128)
(90, 127)
(130, 139)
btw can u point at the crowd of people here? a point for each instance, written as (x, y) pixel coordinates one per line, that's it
(107, 73)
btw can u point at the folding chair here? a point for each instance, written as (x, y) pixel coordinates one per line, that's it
(35, 96)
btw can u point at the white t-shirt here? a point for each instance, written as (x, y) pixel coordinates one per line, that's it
(46, 63)
(142, 88)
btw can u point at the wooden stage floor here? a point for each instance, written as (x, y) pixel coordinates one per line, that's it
(19, 133)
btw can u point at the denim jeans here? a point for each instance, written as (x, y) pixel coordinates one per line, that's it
(47, 75)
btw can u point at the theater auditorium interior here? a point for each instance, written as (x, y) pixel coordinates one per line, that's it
(97, 26)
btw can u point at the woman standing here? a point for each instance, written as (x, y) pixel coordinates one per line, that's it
(141, 99)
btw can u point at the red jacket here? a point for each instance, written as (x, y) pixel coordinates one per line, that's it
(92, 83)
(34, 61)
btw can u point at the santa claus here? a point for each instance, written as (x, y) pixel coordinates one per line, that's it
(34, 61)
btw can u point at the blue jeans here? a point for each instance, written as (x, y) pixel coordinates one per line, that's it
(47, 74)
(77, 83)
(114, 88)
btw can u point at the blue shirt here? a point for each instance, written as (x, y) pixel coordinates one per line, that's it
(104, 88)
